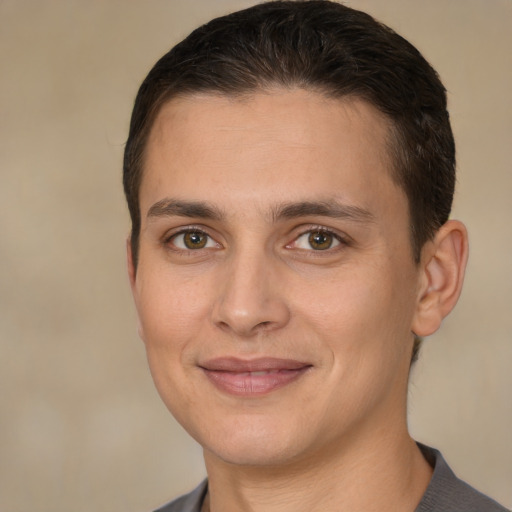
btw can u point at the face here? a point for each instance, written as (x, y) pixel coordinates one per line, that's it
(276, 286)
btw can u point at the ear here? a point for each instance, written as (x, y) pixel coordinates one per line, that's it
(443, 264)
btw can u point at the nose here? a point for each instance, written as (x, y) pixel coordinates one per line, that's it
(251, 298)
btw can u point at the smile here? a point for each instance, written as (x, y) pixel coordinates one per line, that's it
(253, 378)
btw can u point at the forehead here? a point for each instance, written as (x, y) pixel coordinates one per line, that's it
(280, 145)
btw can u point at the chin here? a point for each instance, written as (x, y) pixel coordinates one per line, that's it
(254, 454)
(255, 444)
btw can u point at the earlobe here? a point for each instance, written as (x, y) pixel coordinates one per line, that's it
(443, 266)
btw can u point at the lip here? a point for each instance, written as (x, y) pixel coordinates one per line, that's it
(252, 377)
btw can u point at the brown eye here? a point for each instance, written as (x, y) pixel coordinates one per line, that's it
(316, 240)
(195, 240)
(320, 240)
(191, 240)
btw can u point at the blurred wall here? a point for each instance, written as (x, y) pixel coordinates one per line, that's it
(81, 426)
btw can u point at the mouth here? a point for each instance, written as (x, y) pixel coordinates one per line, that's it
(253, 377)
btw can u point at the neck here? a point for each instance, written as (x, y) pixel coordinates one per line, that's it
(387, 475)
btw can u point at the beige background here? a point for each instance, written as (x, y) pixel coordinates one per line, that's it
(81, 426)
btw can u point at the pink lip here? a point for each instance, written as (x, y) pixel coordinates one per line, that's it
(252, 377)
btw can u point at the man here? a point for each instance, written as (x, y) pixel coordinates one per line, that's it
(289, 173)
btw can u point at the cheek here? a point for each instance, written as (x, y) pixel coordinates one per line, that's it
(169, 308)
(340, 303)
(363, 322)
(171, 316)
(361, 311)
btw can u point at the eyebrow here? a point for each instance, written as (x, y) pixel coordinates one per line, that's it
(169, 207)
(331, 208)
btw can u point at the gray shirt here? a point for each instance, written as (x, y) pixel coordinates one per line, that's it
(445, 493)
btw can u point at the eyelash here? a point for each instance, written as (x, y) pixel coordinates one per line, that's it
(168, 241)
(341, 240)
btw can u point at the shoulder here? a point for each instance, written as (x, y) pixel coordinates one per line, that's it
(190, 502)
(446, 492)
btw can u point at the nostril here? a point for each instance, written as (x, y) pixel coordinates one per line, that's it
(248, 310)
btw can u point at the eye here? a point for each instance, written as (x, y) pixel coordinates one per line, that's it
(191, 240)
(318, 240)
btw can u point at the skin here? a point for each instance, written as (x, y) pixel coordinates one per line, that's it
(258, 288)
